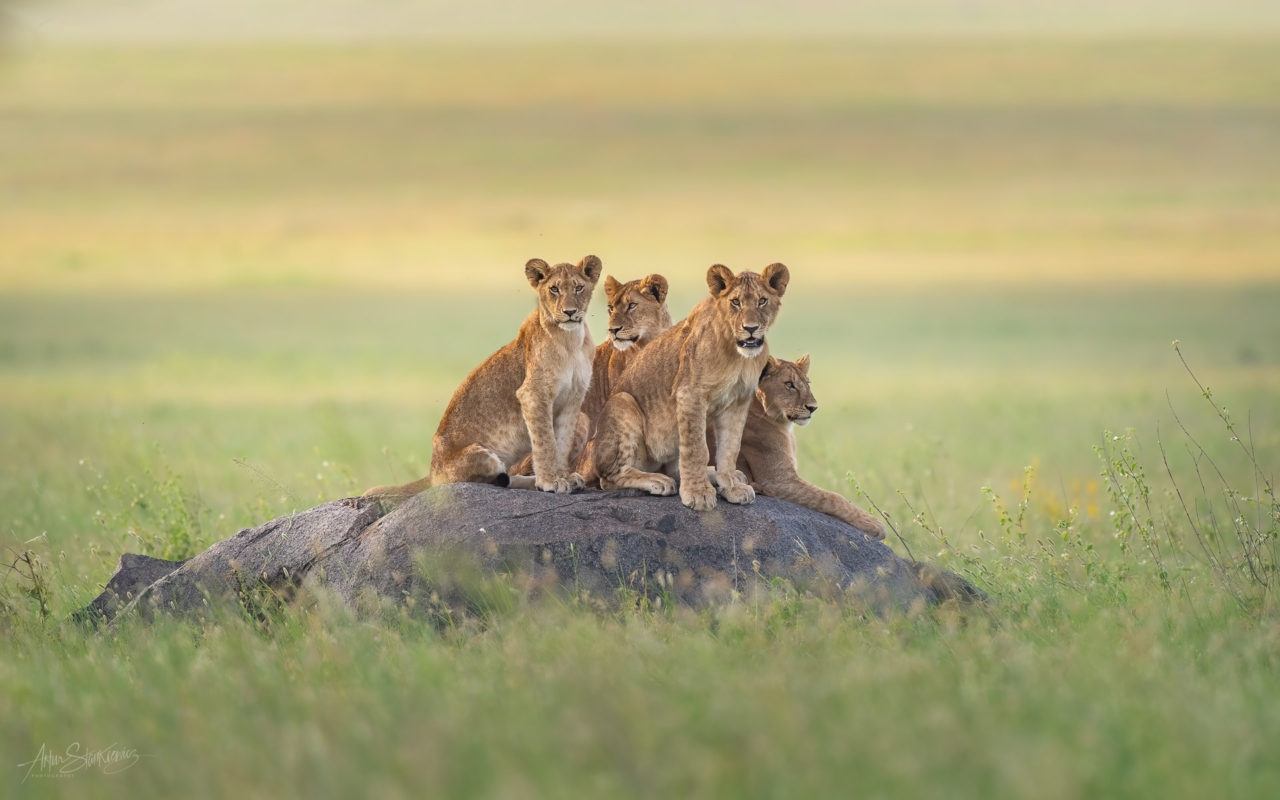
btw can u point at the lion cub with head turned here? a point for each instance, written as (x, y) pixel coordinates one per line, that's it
(523, 399)
(703, 371)
(637, 315)
(768, 454)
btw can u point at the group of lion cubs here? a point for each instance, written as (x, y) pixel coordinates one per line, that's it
(551, 411)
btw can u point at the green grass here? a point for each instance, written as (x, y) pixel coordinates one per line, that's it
(239, 281)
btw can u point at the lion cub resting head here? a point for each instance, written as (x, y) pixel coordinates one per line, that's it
(767, 458)
(701, 372)
(784, 394)
(524, 398)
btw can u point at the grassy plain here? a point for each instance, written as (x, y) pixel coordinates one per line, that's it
(237, 281)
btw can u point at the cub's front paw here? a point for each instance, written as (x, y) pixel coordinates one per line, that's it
(698, 496)
(560, 484)
(660, 485)
(738, 492)
(714, 476)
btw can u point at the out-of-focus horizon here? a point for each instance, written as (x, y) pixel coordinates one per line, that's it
(192, 145)
(353, 20)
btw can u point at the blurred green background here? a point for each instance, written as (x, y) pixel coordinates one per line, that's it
(256, 246)
(247, 251)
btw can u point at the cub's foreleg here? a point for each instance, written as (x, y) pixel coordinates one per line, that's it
(728, 429)
(696, 491)
(550, 462)
(579, 457)
(571, 426)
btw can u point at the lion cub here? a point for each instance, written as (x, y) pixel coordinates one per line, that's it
(637, 314)
(768, 454)
(703, 371)
(523, 399)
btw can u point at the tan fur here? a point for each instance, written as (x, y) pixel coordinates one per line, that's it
(525, 398)
(637, 314)
(767, 457)
(703, 371)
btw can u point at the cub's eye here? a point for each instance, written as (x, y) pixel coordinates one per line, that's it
(609, 309)
(554, 290)
(791, 386)
(734, 302)
(763, 300)
(577, 289)
(631, 306)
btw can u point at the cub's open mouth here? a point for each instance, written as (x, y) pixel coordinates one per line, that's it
(751, 343)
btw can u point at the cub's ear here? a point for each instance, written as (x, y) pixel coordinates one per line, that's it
(771, 366)
(802, 364)
(719, 279)
(591, 267)
(776, 277)
(611, 288)
(536, 271)
(656, 286)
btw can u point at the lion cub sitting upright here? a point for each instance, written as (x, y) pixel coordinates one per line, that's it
(768, 454)
(704, 371)
(637, 315)
(523, 399)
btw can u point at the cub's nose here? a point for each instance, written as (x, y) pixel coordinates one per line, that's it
(751, 328)
(812, 408)
(569, 312)
(614, 331)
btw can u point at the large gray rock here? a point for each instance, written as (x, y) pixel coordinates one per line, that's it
(470, 548)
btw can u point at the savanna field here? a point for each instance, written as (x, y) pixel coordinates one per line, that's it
(238, 280)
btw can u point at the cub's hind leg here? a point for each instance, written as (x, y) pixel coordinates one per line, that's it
(474, 463)
(618, 451)
(631, 478)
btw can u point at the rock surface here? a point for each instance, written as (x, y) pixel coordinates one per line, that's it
(460, 547)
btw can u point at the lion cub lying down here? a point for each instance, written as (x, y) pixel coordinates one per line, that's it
(703, 371)
(768, 454)
(523, 399)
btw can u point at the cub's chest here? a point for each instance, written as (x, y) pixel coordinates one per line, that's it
(737, 387)
(577, 374)
(568, 371)
(559, 369)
